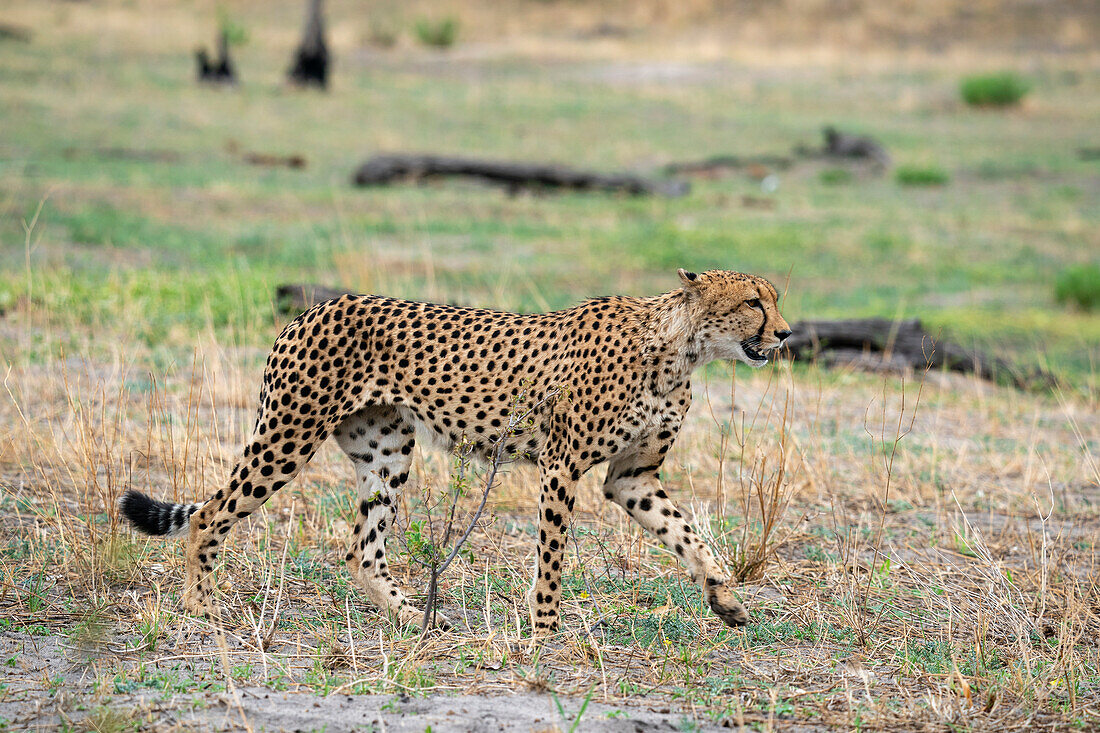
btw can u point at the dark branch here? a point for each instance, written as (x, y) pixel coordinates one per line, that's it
(382, 170)
(311, 60)
(221, 69)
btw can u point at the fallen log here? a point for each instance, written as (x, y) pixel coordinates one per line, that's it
(382, 170)
(901, 344)
(294, 298)
(869, 343)
(837, 145)
(845, 145)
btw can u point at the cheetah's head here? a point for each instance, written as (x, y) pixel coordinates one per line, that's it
(736, 315)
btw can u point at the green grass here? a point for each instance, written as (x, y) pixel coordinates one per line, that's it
(437, 33)
(921, 175)
(1079, 285)
(162, 248)
(835, 176)
(1003, 89)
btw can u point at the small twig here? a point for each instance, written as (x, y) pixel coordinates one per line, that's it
(516, 421)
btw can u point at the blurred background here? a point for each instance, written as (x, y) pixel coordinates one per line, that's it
(164, 204)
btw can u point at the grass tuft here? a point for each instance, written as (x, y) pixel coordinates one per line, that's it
(437, 33)
(109, 719)
(1079, 286)
(1003, 89)
(921, 175)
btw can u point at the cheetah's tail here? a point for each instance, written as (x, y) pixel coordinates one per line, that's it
(153, 517)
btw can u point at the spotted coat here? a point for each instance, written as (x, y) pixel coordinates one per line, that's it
(367, 370)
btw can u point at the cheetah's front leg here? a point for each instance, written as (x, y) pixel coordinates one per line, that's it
(634, 486)
(558, 480)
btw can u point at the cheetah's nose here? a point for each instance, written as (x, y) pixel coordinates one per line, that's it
(782, 335)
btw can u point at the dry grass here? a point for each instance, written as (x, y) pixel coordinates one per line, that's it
(908, 565)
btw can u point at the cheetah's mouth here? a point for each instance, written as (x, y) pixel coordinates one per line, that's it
(750, 347)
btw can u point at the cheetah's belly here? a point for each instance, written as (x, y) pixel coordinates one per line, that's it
(526, 445)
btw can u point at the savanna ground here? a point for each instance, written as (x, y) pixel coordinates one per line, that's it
(934, 536)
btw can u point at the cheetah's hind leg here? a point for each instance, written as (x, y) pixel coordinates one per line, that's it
(276, 454)
(380, 445)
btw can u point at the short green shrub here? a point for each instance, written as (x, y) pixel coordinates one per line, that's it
(438, 34)
(1003, 89)
(835, 176)
(1079, 285)
(921, 175)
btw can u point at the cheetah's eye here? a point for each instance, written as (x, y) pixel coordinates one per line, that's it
(754, 303)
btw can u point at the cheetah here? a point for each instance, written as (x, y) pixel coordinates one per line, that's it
(369, 370)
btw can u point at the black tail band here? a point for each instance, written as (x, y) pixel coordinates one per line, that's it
(154, 517)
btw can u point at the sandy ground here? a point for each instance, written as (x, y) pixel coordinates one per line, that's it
(75, 702)
(522, 712)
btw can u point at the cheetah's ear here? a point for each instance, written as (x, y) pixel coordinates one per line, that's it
(690, 280)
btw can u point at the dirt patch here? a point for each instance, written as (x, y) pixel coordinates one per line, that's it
(520, 712)
(73, 698)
